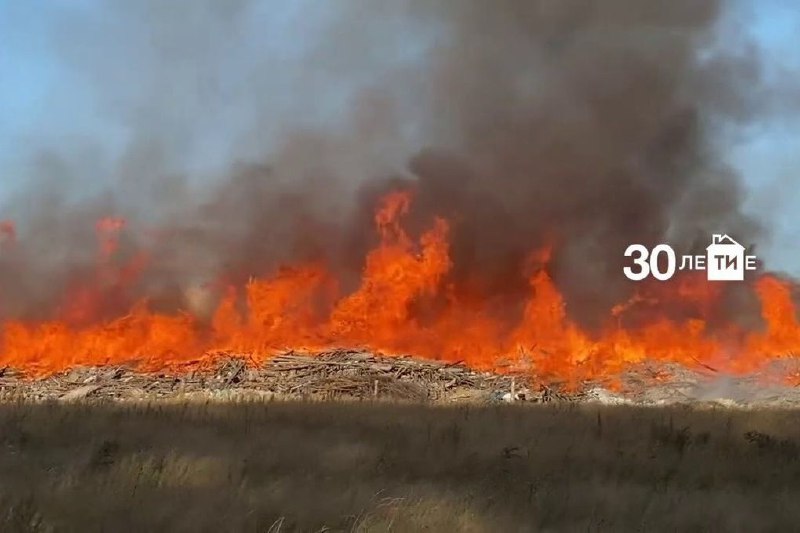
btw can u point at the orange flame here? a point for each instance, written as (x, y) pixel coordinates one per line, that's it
(405, 303)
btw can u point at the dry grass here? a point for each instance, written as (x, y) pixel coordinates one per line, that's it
(377, 467)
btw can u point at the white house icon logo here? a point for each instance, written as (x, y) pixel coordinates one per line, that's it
(725, 259)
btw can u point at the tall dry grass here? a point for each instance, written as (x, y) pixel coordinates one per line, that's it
(378, 467)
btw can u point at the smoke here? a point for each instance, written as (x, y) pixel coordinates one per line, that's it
(243, 135)
(591, 124)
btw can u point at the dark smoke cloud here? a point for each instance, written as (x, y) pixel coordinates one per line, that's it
(594, 124)
(585, 122)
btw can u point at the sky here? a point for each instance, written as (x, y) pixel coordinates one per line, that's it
(46, 102)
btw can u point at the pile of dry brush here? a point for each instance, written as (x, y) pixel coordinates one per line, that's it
(336, 374)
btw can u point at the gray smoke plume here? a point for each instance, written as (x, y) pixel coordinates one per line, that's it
(586, 124)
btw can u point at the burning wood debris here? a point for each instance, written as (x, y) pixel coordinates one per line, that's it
(347, 374)
(335, 374)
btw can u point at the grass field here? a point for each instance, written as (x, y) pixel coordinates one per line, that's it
(378, 467)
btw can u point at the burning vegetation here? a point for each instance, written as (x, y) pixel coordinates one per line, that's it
(545, 138)
(406, 302)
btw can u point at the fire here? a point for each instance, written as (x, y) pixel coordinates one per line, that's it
(405, 303)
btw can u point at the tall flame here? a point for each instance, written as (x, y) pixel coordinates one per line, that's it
(405, 303)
